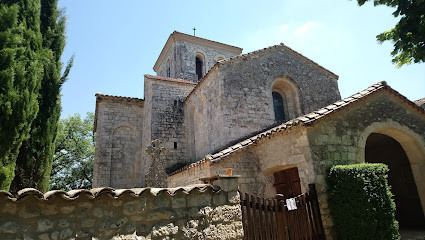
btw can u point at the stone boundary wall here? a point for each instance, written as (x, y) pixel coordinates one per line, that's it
(192, 212)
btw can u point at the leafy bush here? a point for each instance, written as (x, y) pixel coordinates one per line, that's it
(360, 202)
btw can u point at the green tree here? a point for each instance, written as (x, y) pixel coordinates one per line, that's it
(408, 34)
(34, 162)
(74, 154)
(21, 71)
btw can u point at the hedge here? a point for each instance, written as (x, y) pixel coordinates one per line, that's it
(360, 202)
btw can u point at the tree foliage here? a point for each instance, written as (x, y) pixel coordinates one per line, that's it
(408, 34)
(34, 162)
(74, 154)
(21, 71)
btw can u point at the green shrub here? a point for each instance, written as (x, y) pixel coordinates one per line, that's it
(360, 202)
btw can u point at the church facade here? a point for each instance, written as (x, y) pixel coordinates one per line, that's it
(272, 116)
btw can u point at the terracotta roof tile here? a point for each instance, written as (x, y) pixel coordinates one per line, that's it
(176, 80)
(130, 99)
(307, 119)
(97, 192)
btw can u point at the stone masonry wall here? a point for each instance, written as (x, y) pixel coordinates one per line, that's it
(201, 212)
(256, 164)
(239, 98)
(118, 154)
(247, 98)
(341, 139)
(186, 55)
(204, 118)
(182, 56)
(167, 120)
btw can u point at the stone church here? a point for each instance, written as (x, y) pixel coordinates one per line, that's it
(273, 117)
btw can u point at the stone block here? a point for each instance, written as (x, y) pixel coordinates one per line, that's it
(198, 200)
(135, 207)
(178, 202)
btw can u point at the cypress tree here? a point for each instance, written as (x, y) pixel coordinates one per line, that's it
(21, 71)
(35, 158)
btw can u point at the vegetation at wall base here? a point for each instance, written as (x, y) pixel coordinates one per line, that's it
(361, 203)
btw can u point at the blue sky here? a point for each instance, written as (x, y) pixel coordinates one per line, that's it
(116, 42)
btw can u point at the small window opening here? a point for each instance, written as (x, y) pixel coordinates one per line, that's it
(279, 111)
(199, 64)
(168, 69)
(175, 103)
(175, 145)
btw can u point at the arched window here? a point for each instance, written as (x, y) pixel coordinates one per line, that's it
(199, 64)
(279, 110)
(286, 99)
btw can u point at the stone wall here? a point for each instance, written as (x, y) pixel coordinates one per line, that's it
(256, 164)
(341, 139)
(118, 153)
(247, 97)
(167, 119)
(197, 212)
(204, 116)
(238, 97)
(182, 55)
(186, 54)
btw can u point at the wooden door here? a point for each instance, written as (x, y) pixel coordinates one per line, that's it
(287, 182)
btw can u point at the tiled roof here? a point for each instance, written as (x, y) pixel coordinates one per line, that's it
(176, 80)
(97, 192)
(204, 39)
(305, 120)
(129, 99)
(250, 54)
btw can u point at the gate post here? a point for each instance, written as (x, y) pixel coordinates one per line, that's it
(316, 210)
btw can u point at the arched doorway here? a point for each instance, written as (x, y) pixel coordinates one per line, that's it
(381, 148)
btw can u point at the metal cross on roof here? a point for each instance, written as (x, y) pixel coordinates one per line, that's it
(194, 29)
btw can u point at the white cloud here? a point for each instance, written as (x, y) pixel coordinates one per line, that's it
(305, 28)
(283, 27)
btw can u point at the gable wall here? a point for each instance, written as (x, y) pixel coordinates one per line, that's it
(118, 156)
(247, 90)
(340, 138)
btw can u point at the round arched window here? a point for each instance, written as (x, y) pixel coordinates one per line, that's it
(279, 110)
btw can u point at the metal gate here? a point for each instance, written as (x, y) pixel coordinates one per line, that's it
(270, 218)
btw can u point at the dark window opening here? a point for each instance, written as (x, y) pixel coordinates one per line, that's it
(175, 145)
(199, 67)
(168, 72)
(279, 111)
